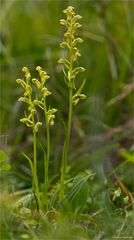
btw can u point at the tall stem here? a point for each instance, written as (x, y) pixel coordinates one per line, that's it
(36, 184)
(70, 108)
(68, 133)
(69, 124)
(47, 157)
(66, 145)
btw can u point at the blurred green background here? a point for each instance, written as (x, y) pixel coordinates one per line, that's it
(30, 36)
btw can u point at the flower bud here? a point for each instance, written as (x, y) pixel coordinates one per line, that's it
(38, 68)
(63, 22)
(27, 73)
(69, 10)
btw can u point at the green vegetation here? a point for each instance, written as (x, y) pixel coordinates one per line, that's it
(68, 171)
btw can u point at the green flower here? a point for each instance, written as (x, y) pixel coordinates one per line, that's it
(27, 73)
(70, 42)
(27, 98)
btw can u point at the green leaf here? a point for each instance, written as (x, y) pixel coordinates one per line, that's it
(5, 167)
(77, 196)
(3, 159)
(128, 156)
(24, 201)
(81, 191)
(80, 89)
(30, 162)
(25, 236)
(54, 198)
(77, 96)
(3, 156)
(25, 212)
(32, 222)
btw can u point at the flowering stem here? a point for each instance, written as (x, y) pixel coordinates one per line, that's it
(66, 145)
(29, 120)
(46, 164)
(67, 138)
(70, 74)
(69, 122)
(36, 184)
(70, 107)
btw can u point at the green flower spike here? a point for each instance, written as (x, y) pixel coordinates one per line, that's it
(49, 119)
(49, 113)
(70, 42)
(29, 119)
(71, 71)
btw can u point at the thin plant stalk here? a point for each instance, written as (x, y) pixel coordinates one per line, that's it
(66, 145)
(36, 183)
(46, 163)
(70, 108)
(49, 117)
